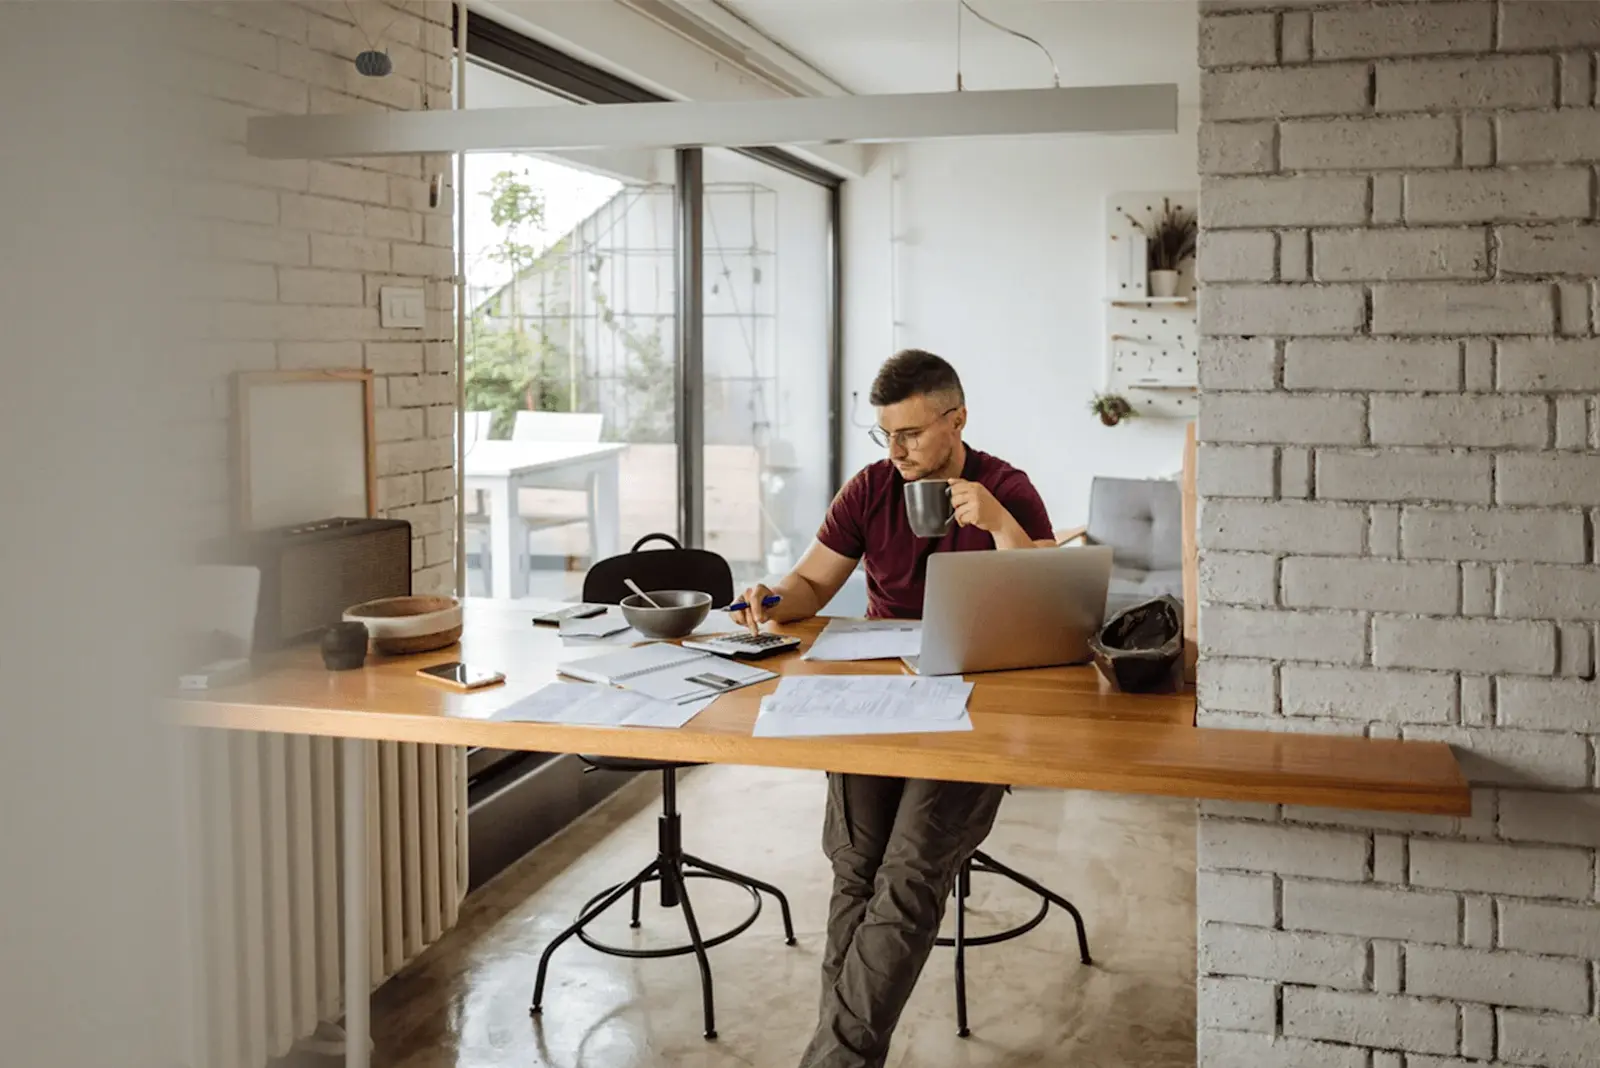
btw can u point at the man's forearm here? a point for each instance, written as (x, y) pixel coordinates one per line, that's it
(799, 600)
(1012, 536)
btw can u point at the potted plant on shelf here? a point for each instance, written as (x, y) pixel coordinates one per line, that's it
(1170, 239)
(1112, 408)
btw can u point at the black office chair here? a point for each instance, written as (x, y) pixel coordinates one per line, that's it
(983, 863)
(675, 568)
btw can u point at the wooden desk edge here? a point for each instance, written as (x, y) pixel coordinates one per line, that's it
(1434, 786)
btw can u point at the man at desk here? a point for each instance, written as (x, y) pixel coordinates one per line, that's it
(896, 845)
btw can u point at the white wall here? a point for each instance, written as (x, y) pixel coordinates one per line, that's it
(1001, 269)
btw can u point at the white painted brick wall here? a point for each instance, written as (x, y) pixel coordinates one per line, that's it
(1233, 203)
(1326, 637)
(1242, 899)
(1370, 911)
(1238, 685)
(1453, 308)
(1238, 363)
(1264, 847)
(1483, 196)
(1238, 1005)
(1370, 1019)
(1371, 585)
(1284, 956)
(1366, 694)
(1405, 475)
(1498, 978)
(1508, 534)
(1283, 417)
(296, 248)
(1362, 32)
(1476, 84)
(1477, 421)
(1266, 92)
(1371, 364)
(1238, 148)
(1360, 255)
(1428, 172)
(1300, 527)
(1404, 141)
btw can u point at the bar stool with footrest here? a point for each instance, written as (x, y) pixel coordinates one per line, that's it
(982, 863)
(674, 568)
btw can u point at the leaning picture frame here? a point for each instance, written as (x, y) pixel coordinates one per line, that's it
(304, 447)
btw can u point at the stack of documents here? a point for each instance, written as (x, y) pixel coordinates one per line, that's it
(666, 672)
(814, 705)
(579, 704)
(867, 639)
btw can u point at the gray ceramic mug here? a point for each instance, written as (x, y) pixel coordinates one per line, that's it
(928, 507)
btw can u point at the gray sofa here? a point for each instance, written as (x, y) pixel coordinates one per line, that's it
(1142, 521)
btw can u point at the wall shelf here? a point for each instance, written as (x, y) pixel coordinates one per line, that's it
(1153, 345)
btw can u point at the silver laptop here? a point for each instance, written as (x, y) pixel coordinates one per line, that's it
(993, 611)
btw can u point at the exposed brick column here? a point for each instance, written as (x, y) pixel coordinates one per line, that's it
(1400, 473)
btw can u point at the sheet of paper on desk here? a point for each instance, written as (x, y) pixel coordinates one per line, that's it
(867, 639)
(583, 704)
(888, 697)
(773, 721)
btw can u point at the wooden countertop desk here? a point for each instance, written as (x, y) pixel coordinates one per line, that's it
(1054, 727)
(1051, 727)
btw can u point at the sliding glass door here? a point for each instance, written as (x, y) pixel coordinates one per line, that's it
(605, 402)
(570, 349)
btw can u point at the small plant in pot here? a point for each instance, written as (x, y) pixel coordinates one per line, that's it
(1170, 239)
(1112, 408)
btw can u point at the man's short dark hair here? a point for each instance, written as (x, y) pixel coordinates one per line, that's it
(914, 373)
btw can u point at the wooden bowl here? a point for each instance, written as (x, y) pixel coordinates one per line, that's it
(400, 626)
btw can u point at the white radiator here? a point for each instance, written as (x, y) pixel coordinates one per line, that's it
(268, 933)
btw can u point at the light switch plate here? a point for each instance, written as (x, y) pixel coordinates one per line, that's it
(401, 307)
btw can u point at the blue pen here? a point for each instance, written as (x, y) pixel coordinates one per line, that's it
(766, 602)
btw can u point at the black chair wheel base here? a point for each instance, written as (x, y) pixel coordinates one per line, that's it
(965, 1032)
(711, 1036)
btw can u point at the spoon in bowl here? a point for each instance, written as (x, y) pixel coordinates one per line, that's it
(634, 586)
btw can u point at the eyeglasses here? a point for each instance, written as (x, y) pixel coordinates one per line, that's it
(908, 438)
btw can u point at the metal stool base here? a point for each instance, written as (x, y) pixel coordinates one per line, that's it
(982, 863)
(671, 869)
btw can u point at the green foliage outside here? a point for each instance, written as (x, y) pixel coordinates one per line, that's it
(518, 369)
(514, 370)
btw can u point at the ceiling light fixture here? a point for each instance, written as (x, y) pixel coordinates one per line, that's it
(805, 120)
(1107, 109)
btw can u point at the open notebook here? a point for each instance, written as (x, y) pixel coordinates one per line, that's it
(666, 672)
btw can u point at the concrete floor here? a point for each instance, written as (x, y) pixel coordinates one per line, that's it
(1128, 863)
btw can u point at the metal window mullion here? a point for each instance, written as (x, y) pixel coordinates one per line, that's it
(835, 313)
(690, 214)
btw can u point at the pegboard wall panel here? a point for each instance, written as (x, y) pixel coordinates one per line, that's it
(1152, 342)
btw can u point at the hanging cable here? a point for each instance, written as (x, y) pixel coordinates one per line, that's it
(1055, 72)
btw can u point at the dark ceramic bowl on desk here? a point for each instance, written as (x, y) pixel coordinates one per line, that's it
(679, 613)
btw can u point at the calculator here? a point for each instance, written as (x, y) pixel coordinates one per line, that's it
(744, 645)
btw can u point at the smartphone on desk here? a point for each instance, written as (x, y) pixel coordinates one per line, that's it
(459, 676)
